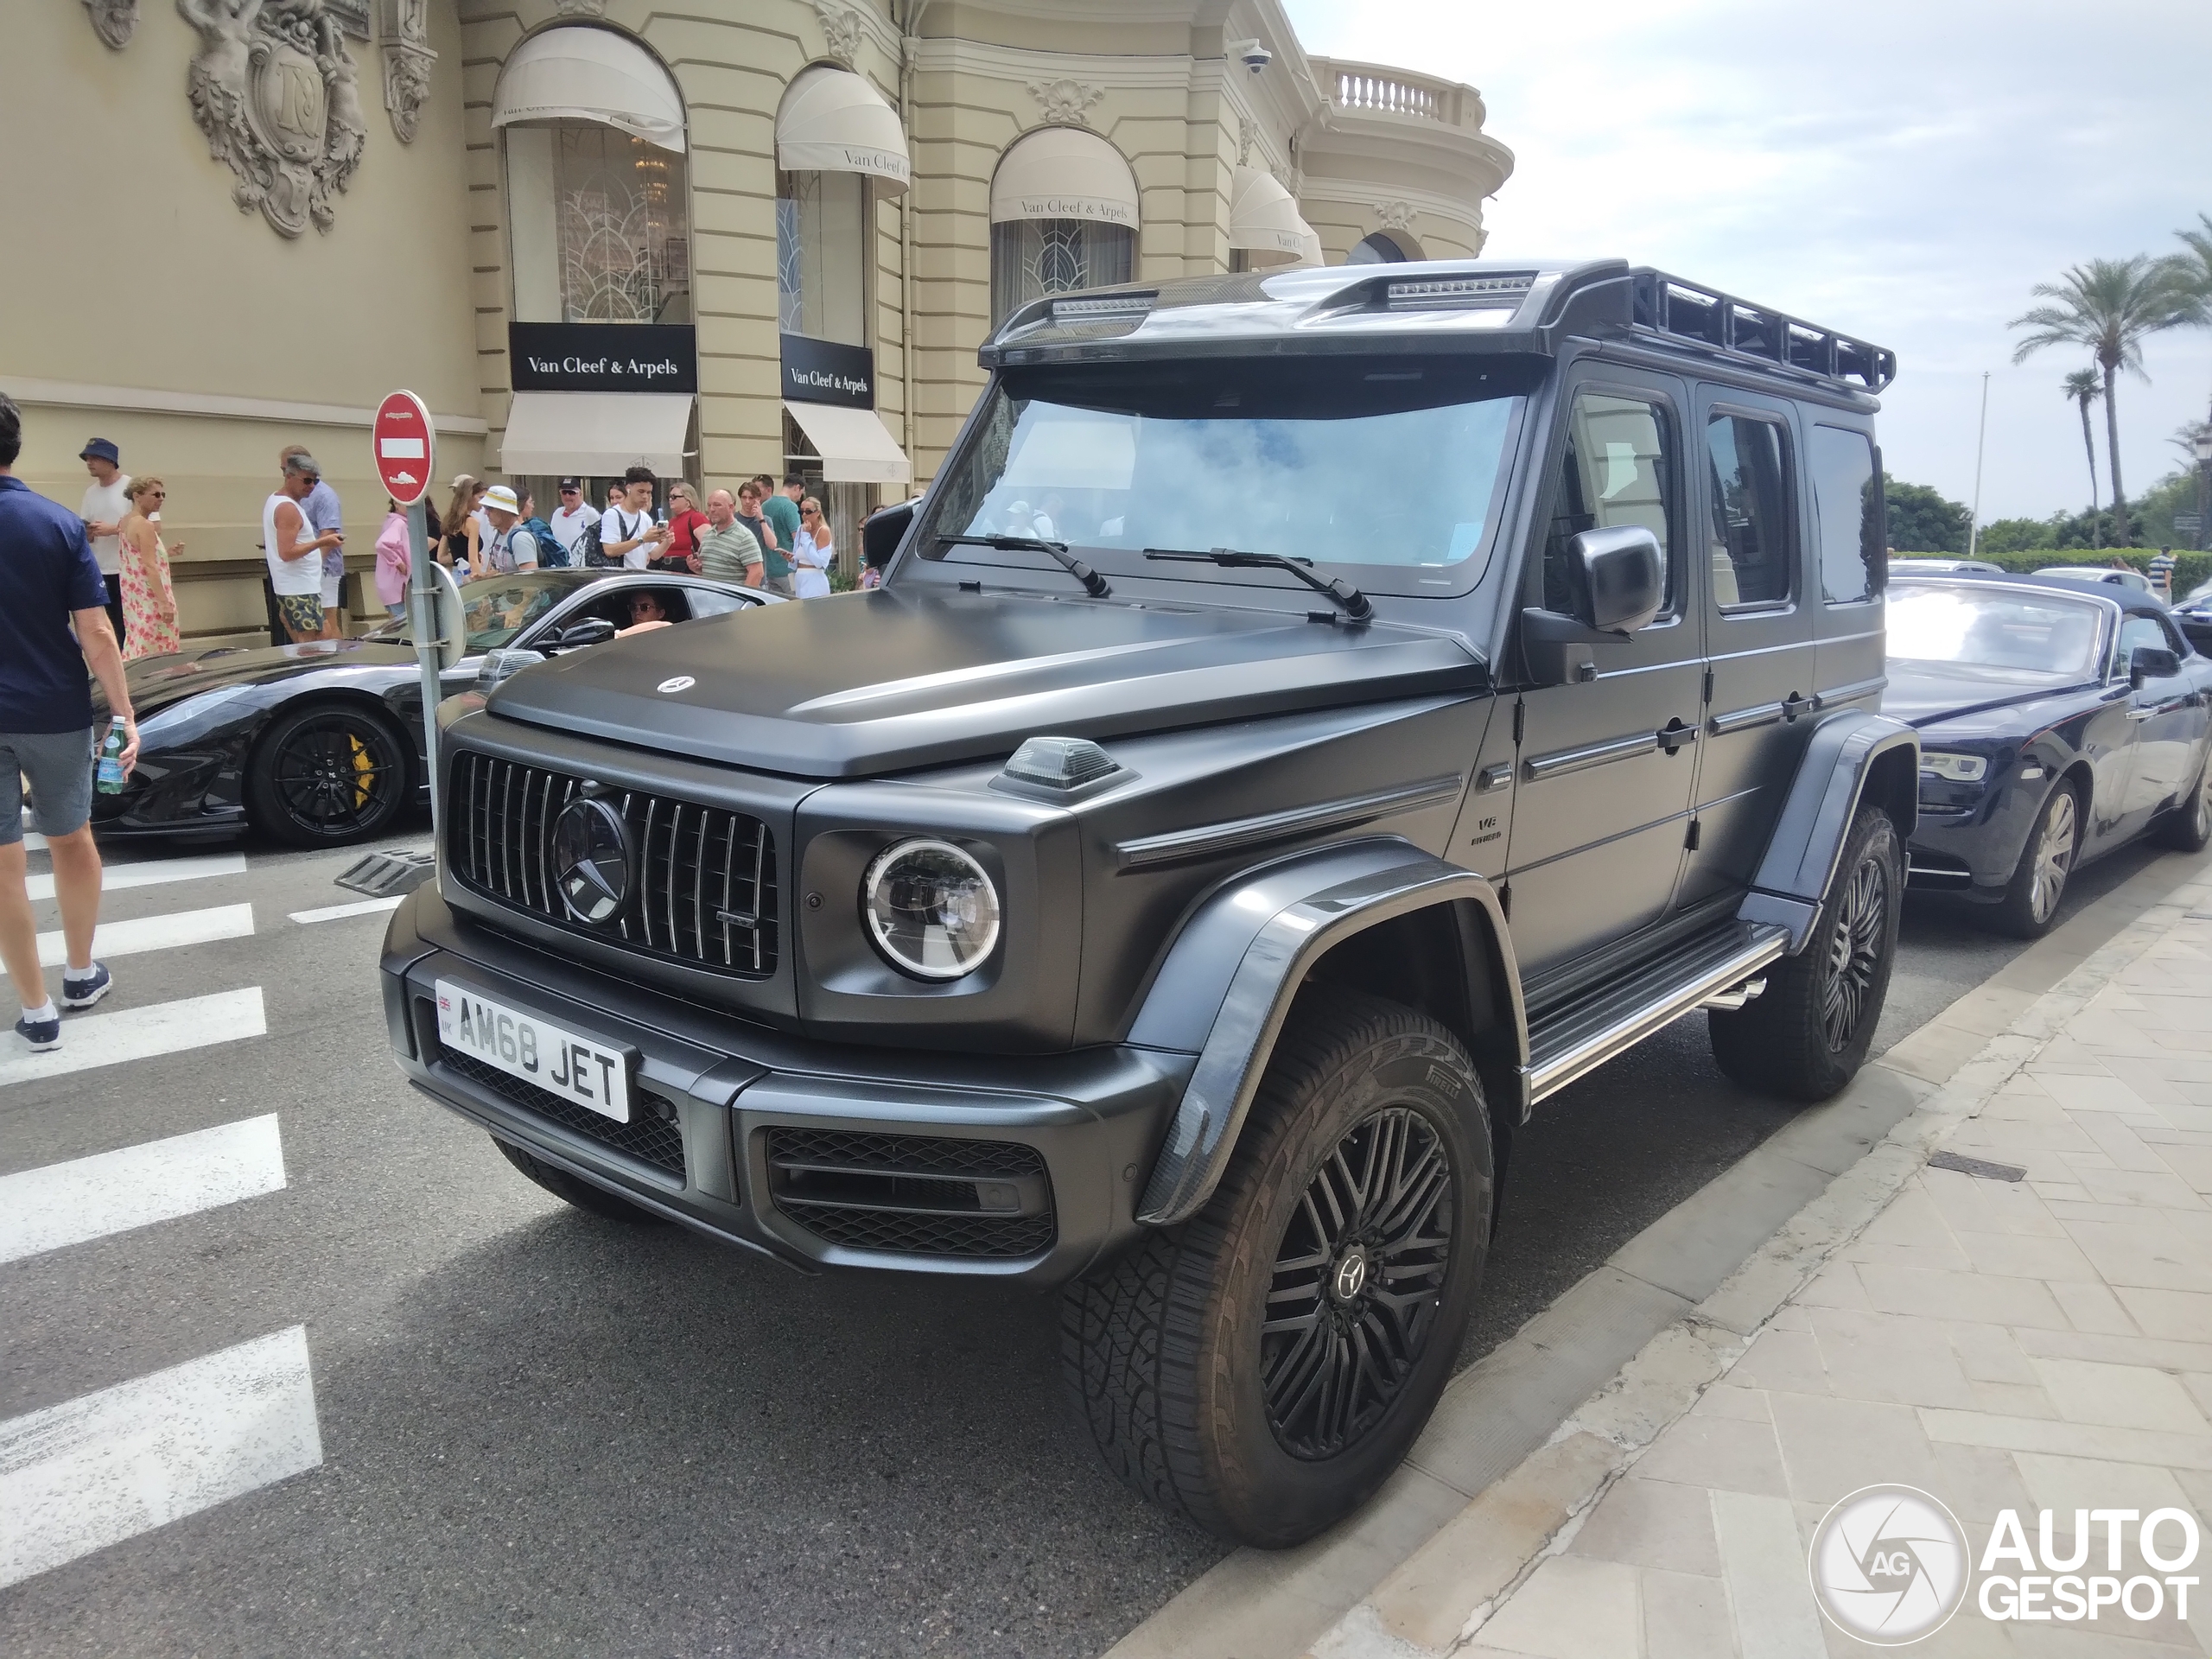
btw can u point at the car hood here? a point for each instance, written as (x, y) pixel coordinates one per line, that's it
(882, 681)
(1923, 694)
(158, 681)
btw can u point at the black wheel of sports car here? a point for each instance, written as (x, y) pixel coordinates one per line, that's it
(2031, 901)
(1808, 1035)
(2188, 826)
(328, 776)
(1263, 1367)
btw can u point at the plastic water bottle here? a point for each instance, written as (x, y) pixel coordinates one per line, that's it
(109, 778)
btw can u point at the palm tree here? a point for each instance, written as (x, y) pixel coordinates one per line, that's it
(2111, 305)
(2082, 388)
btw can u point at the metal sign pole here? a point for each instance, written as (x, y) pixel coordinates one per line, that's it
(423, 615)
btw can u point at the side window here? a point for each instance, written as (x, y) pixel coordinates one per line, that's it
(1751, 543)
(1616, 471)
(2143, 631)
(1847, 508)
(705, 601)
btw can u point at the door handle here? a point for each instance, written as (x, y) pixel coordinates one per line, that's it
(1674, 735)
(2141, 713)
(1793, 705)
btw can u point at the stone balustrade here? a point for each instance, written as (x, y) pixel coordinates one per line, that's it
(1379, 89)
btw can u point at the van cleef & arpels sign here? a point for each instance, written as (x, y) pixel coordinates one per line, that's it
(603, 356)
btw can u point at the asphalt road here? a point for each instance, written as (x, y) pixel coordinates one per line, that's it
(540, 1433)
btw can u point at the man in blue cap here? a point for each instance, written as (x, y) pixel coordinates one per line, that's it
(106, 505)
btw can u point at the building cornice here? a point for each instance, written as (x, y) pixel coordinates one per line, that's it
(144, 400)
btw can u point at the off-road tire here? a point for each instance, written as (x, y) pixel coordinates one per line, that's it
(2029, 907)
(2188, 826)
(1164, 1350)
(1807, 1036)
(575, 1190)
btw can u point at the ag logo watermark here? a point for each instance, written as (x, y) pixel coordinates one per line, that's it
(1891, 1565)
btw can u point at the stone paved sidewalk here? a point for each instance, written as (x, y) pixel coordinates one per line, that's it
(2030, 1345)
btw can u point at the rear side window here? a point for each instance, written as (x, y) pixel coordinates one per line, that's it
(1751, 544)
(1616, 471)
(1847, 508)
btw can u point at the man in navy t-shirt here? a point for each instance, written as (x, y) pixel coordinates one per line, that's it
(48, 578)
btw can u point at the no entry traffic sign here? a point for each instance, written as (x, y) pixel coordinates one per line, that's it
(402, 440)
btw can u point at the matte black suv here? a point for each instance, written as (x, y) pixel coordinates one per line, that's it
(1313, 717)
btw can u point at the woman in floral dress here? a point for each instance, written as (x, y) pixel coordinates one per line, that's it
(148, 600)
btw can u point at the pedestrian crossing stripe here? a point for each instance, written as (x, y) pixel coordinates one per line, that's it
(337, 912)
(163, 932)
(85, 1198)
(152, 874)
(90, 1040)
(95, 1471)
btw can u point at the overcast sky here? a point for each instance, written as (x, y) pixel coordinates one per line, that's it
(1900, 169)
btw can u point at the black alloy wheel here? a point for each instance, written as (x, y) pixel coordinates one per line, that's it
(1806, 1035)
(1855, 951)
(328, 776)
(1262, 1367)
(1353, 1299)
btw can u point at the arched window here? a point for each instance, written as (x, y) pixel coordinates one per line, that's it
(1383, 248)
(837, 145)
(1064, 216)
(598, 217)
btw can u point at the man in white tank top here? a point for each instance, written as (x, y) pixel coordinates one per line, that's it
(295, 556)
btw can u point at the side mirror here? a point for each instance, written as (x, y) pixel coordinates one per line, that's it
(1625, 576)
(880, 536)
(2152, 663)
(1624, 584)
(499, 664)
(592, 631)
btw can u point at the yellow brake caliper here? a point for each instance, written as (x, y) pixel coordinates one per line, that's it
(364, 772)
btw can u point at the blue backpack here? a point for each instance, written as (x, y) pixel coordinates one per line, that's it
(551, 556)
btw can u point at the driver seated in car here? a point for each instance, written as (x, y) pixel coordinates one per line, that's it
(646, 612)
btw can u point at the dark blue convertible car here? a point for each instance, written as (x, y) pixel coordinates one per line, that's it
(2057, 722)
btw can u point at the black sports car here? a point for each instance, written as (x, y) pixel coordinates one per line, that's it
(320, 744)
(2057, 722)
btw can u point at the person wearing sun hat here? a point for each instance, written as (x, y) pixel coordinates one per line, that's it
(508, 547)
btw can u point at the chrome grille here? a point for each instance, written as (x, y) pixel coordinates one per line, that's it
(705, 877)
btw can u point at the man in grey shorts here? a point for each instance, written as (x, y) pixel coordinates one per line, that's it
(48, 580)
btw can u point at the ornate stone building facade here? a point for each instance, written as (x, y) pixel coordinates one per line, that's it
(742, 237)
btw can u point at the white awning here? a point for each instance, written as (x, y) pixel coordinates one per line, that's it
(854, 446)
(598, 434)
(832, 121)
(1264, 222)
(576, 73)
(1064, 173)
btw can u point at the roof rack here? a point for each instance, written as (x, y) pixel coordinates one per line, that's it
(1729, 327)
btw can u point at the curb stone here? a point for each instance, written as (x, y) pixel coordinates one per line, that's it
(1440, 1598)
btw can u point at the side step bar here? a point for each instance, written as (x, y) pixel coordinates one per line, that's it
(1582, 1033)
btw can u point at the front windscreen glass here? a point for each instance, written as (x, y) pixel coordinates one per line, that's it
(1990, 632)
(495, 609)
(1390, 470)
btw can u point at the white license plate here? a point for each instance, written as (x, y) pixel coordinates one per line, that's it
(534, 1049)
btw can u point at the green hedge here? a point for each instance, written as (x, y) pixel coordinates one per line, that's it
(2189, 569)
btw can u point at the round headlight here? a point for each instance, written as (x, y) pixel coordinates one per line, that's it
(932, 908)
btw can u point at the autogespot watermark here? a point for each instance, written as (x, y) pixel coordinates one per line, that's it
(1891, 1565)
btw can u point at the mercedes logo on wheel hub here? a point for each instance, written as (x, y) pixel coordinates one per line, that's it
(1350, 1275)
(591, 859)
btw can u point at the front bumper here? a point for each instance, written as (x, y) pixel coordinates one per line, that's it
(1973, 849)
(819, 1155)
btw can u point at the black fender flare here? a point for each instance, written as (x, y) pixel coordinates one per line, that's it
(1227, 984)
(1849, 751)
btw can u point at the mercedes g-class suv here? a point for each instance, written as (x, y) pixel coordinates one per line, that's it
(1311, 718)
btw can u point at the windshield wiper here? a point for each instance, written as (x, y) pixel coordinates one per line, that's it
(1348, 599)
(1093, 583)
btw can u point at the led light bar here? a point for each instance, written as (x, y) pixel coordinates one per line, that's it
(1116, 305)
(1460, 293)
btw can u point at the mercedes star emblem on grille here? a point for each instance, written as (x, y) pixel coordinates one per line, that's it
(591, 857)
(680, 683)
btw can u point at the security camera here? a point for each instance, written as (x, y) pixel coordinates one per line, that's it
(1252, 55)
